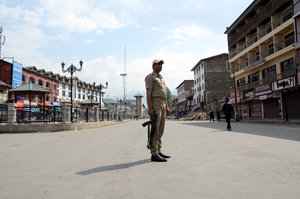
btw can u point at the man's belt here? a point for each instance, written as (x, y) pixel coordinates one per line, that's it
(158, 97)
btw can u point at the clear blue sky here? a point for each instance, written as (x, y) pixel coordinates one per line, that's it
(44, 33)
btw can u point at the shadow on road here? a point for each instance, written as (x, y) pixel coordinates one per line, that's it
(269, 130)
(113, 167)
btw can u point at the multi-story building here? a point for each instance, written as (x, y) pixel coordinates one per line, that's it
(297, 44)
(211, 82)
(261, 43)
(32, 75)
(184, 97)
(61, 86)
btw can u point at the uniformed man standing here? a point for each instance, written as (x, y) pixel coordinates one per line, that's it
(157, 104)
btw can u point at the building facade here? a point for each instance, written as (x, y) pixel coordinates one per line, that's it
(184, 99)
(261, 43)
(211, 82)
(33, 75)
(61, 87)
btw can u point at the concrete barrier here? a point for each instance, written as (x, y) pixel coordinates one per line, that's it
(50, 127)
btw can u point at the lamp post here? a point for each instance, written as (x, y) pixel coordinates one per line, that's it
(92, 95)
(102, 87)
(234, 87)
(71, 69)
(284, 84)
(124, 76)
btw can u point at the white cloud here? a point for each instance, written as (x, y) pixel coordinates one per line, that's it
(192, 31)
(89, 41)
(84, 16)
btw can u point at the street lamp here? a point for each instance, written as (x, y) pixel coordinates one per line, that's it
(71, 69)
(92, 95)
(283, 94)
(102, 87)
(234, 87)
(124, 76)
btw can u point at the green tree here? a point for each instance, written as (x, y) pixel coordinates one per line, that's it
(170, 98)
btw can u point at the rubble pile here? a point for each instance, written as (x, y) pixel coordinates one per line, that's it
(195, 116)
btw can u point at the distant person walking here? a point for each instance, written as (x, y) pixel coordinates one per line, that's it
(211, 116)
(228, 111)
(218, 116)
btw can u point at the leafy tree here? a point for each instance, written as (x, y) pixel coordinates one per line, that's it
(170, 97)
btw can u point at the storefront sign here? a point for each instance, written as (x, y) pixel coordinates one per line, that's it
(233, 96)
(249, 95)
(263, 97)
(17, 74)
(284, 83)
(263, 90)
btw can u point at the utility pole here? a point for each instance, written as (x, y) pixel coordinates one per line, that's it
(1, 41)
(124, 76)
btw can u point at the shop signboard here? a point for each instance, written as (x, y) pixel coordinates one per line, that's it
(232, 97)
(17, 74)
(284, 83)
(263, 90)
(249, 95)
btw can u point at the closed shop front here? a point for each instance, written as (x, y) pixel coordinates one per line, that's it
(255, 109)
(271, 108)
(293, 103)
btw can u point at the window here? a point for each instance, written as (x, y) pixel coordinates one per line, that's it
(63, 86)
(289, 39)
(47, 85)
(63, 93)
(69, 87)
(271, 49)
(269, 73)
(69, 94)
(83, 97)
(241, 82)
(79, 96)
(257, 56)
(31, 80)
(40, 82)
(287, 65)
(23, 78)
(253, 77)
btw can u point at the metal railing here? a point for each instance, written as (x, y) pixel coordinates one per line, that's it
(38, 114)
(269, 80)
(3, 114)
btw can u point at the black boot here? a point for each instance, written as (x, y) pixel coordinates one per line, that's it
(157, 158)
(163, 155)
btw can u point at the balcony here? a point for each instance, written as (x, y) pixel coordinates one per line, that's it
(265, 31)
(262, 82)
(254, 22)
(286, 16)
(283, 44)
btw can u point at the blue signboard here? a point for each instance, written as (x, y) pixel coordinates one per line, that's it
(17, 74)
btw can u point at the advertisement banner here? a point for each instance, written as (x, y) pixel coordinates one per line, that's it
(263, 90)
(249, 95)
(17, 74)
(284, 83)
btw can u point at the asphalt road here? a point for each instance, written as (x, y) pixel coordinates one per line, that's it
(252, 161)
